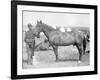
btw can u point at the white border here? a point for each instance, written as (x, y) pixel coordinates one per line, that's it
(21, 71)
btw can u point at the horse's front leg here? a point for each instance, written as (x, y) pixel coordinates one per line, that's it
(55, 48)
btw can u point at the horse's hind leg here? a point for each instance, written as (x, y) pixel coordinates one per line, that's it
(84, 45)
(80, 56)
(80, 52)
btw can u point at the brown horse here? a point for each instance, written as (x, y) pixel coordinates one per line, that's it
(57, 38)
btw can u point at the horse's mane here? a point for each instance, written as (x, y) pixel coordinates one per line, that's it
(48, 26)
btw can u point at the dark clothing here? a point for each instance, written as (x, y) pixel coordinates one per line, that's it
(30, 41)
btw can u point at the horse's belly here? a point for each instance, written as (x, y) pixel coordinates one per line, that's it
(69, 39)
(64, 41)
(64, 44)
(67, 42)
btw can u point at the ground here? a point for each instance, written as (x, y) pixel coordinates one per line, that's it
(68, 56)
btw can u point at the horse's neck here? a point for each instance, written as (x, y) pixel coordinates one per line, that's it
(46, 32)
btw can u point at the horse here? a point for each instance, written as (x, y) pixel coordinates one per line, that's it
(57, 38)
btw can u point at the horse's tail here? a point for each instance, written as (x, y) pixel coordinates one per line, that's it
(84, 44)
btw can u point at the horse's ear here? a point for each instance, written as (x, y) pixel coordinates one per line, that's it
(40, 21)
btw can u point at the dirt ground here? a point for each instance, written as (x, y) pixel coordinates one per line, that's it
(68, 56)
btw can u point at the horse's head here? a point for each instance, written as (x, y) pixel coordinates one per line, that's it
(38, 28)
(35, 33)
(42, 27)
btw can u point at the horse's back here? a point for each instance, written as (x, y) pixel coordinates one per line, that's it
(62, 38)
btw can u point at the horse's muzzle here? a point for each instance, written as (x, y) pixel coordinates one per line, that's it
(38, 36)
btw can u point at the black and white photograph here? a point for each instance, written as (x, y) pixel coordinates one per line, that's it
(64, 39)
(53, 39)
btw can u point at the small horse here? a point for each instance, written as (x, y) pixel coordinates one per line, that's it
(57, 38)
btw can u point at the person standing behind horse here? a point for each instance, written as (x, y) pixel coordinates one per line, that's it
(30, 43)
